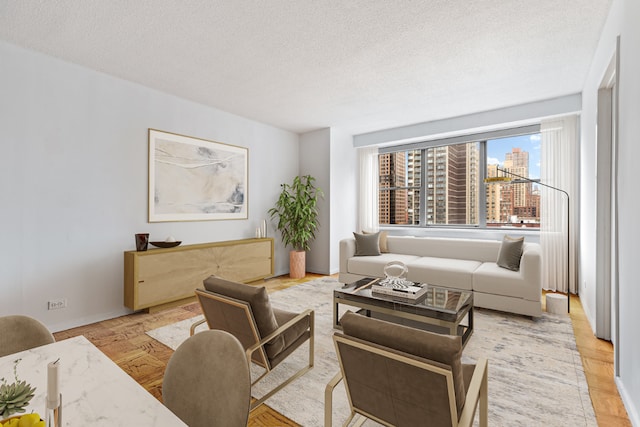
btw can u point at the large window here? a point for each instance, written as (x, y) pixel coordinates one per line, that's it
(400, 187)
(431, 184)
(515, 203)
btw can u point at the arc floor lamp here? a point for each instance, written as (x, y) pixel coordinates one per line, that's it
(525, 179)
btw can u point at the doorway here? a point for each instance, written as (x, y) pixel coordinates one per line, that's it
(606, 206)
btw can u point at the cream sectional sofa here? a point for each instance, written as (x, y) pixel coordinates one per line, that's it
(468, 264)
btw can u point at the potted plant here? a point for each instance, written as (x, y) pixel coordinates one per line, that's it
(297, 214)
(15, 396)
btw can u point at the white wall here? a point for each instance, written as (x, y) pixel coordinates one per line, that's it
(606, 50)
(516, 115)
(629, 130)
(344, 193)
(329, 156)
(73, 182)
(623, 19)
(314, 160)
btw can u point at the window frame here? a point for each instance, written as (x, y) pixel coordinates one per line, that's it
(482, 140)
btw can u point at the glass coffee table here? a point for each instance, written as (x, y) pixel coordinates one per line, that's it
(440, 309)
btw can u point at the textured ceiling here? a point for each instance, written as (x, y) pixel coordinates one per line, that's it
(358, 65)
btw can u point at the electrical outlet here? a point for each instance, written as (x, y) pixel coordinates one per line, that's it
(56, 304)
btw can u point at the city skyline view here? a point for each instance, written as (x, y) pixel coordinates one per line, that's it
(497, 149)
(443, 184)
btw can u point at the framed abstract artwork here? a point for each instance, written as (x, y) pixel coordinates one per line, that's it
(193, 179)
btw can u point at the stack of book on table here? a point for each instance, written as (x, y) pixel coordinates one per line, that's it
(401, 289)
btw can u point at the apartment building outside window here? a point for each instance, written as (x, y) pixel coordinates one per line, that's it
(400, 185)
(443, 185)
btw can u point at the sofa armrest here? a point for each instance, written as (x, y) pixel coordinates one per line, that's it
(531, 265)
(347, 250)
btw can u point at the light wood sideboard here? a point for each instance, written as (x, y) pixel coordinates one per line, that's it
(158, 278)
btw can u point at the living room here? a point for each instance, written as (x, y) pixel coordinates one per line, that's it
(75, 138)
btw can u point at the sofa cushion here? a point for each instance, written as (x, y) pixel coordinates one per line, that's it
(452, 273)
(373, 266)
(489, 278)
(471, 249)
(445, 349)
(367, 244)
(510, 253)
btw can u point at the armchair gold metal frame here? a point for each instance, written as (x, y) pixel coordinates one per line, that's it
(247, 332)
(476, 392)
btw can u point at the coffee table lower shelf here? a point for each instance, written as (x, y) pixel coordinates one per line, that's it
(425, 320)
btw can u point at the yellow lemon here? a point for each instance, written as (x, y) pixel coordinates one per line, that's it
(39, 424)
(12, 422)
(29, 420)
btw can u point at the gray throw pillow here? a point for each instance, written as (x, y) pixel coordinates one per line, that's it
(384, 248)
(510, 253)
(367, 244)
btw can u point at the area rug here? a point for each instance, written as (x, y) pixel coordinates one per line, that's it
(536, 376)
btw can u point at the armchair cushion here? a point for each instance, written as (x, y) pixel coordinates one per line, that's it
(296, 331)
(292, 337)
(467, 372)
(258, 298)
(445, 349)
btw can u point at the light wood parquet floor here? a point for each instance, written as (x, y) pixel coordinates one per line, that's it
(597, 360)
(123, 339)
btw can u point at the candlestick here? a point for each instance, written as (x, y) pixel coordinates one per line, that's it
(54, 400)
(53, 385)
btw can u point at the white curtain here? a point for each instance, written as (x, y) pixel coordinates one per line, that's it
(559, 169)
(368, 199)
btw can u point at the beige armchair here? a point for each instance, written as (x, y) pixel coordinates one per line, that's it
(18, 333)
(207, 381)
(267, 334)
(401, 376)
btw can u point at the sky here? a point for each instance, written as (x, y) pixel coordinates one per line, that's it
(496, 149)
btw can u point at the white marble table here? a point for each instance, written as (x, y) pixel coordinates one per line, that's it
(95, 391)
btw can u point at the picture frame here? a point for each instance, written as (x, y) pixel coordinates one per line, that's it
(194, 179)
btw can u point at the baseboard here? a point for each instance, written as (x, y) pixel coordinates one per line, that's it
(629, 405)
(87, 320)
